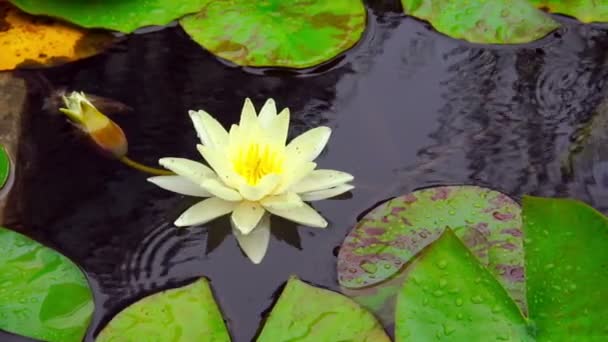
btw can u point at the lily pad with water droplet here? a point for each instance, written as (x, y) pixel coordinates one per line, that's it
(484, 22)
(487, 221)
(277, 33)
(308, 314)
(566, 249)
(188, 313)
(5, 167)
(120, 15)
(587, 11)
(43, 294)
(448, 295)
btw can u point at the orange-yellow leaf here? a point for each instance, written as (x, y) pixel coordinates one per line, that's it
(29, 41)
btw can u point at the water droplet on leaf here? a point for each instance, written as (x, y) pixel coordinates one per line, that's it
(369, 267)
(477, 299)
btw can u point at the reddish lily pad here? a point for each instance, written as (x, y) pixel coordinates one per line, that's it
(488, 223)
(587, 11)
(308, 314)
(187, 313)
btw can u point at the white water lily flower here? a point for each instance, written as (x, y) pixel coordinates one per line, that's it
(253, 173)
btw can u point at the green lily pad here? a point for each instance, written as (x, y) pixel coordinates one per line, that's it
(277, 33)
(448, 295)
(488, 222)
(43, 294)
(120, 15)
(306, 313)
(484, 22)
(587, 11)
(187, 313)
(5, 167)
(567, 269)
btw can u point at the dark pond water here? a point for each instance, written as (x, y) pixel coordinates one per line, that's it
(409, 108)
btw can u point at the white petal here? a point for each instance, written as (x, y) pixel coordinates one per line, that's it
(235, 136)
(303, 214)
(220, 163)
(267, 113)
(321, 179)
(248, 116)
(179, 184)
(326, 193)
(189, 169)
(265, 186)
(255, 244)
(218, 189)
(277, 130)
(284, 201)
(246, 216)
(205, 211)
(309, 145)
(293, 174)
(209, 130)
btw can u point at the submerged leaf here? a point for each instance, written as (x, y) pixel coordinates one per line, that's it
(296, 34)
(187, 313)
(488, 222)
(120, 15)
(566, 269)
(449, 296)
(5, 166)
(29, 41)
(306, 313)
(43, 294)
(484, 22)
(587, 11)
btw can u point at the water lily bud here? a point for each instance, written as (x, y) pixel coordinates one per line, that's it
(104, 132)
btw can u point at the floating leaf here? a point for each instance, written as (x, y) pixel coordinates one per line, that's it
(43, 295)
(566, 269)
(485, 22)
(449, 295)
(5, 166)
(123, 15)
(29, 41)
(306, 313)
(379, 299)
(296, 34)
(488, 222)
(187, 313)
(587, 11)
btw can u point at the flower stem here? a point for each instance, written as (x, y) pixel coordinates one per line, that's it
(143, 168)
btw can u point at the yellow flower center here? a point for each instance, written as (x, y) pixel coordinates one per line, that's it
(254, 161)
